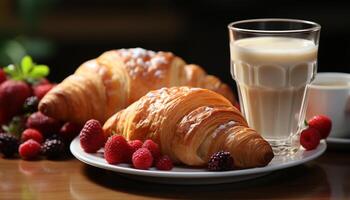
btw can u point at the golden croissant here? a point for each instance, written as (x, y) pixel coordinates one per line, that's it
(190, 124)
(109, 83)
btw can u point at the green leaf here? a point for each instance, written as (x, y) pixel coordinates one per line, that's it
(39, 71)
(26, 64)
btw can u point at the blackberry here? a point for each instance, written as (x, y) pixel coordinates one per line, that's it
(8, 144)
(53, 148)
(220, 161)
(31, 104)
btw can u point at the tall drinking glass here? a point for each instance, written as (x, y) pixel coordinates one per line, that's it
(273, 61)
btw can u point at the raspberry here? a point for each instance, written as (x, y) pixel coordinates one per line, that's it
(220, 161)
(52, 148)
(152, 147)
(29, 149)
(46, 125)
(142, 158)
(2, 76)
(91, 136)
(41, 90)
(135, 144)
(117, 150)
(34, 134)
(31, 104)
(322, 123)
(8, 144)
(69, 130)
(310, 138)
(164, 163)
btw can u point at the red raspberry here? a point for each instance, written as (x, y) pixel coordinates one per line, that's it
(34, 134)
(117, 150)
(2, 76)
(135, 144)
(69, 131)
(310, 138)
(142, 158)
(29, 149)
(152, 147)
(91, 136)
(164, 163)
(322, 123)
(46, 125)
(42, 89)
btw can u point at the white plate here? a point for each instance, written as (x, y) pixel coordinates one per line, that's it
(187, 175)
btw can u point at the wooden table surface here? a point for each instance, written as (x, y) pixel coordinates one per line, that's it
(327, 177)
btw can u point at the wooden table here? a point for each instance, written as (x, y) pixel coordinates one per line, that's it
(327, 177)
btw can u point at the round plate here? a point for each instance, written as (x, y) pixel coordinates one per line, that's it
(187, 175)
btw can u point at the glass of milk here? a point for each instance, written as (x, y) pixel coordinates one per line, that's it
(273, 61)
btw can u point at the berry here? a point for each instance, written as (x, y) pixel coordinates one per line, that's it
(310, 138)
(221, 161)
(34, 134)
(2, 76)
(41, 90)
(31, 104)
(12, 96)
(46, 125)
(69, 131)
(29, 149)
(52, 148)
(164, 163)
(135, 144)
(117, 150)
(152, 147)
(91, 136)
(322, 123)
(142, 158)
(8, 144)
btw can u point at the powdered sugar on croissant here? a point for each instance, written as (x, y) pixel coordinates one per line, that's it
(102, 86)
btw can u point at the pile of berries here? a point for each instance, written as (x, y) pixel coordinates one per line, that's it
(318, 127)
(24, 130)
(142, 155)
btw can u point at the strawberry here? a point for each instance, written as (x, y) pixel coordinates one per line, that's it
(46, 125)
(117, 150)
(34, 134)
(322, 123)
(41, 90)
(2, 76)
(91, 136)
(12, 96)
(310, 138)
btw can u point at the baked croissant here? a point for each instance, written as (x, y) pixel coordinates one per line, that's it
(190, 124)
(109, 83)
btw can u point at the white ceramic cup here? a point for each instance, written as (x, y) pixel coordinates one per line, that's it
(329, 95)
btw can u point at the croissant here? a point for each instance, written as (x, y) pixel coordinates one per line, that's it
(109, 83)
(190, 124)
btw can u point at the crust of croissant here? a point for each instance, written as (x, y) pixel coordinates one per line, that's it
(121, 80)
(190, 125)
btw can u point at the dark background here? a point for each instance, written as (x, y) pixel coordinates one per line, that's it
(65, 33)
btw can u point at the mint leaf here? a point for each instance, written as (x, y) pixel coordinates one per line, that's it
(39, 71)
(11, 70)
(26, 64)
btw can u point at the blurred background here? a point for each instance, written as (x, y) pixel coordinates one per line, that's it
(65, 33)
